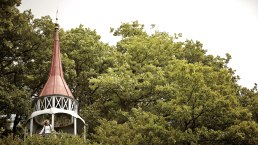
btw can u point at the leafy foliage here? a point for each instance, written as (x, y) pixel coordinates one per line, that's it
(62, 139)
(141, 128)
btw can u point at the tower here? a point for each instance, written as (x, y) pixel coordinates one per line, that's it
(56, 102)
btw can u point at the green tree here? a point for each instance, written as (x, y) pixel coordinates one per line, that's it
(196, 93)
(13, 25)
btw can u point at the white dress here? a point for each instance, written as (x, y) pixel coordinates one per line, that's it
(46, 129)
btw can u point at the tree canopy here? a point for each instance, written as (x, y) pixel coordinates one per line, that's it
(147, 89)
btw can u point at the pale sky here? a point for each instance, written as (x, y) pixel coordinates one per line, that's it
(223, 26)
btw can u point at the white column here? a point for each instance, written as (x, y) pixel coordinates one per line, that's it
(53, 101)
(38, 105)
(75, 125)
(69, 104)
(53, 122)
(31, 126)
(25, 133)
(84, 133)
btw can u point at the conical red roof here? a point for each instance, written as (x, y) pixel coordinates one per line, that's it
(56, 84)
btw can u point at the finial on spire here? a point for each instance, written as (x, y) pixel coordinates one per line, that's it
(56, 24)
(56, 15)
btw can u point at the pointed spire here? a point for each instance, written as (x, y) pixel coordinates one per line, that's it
(56, 84)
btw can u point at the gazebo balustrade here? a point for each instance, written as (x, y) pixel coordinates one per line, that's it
(59, 102)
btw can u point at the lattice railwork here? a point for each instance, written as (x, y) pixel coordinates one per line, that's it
(60, 102)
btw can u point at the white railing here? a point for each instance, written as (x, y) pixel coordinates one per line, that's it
(60, 102)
